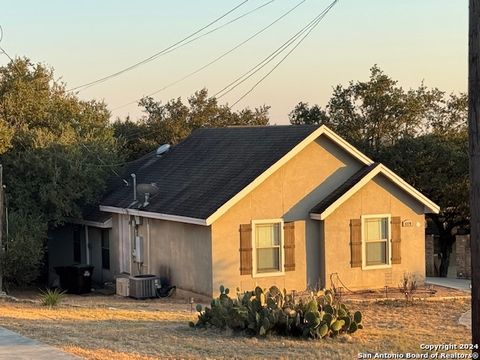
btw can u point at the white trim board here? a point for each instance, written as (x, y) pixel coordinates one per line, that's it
(153, 215)
(430, 206)
(107, 224)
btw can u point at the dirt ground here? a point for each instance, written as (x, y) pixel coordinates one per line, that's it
(111, 327)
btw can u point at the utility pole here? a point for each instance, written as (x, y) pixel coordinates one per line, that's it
(474, 152)
(1, 225)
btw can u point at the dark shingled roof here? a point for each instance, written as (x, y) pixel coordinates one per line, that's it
(93, 213)
(203, 172)
(342, 189)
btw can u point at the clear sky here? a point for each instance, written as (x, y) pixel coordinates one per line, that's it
(411, 40)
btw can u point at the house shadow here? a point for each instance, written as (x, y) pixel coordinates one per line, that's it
(314, 239)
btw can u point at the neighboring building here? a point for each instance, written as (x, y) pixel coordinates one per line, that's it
(82, 241)
(247, 206)
(284, 205)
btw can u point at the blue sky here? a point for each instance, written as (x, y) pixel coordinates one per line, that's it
(411, 40)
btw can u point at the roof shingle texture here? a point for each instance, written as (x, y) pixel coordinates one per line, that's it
(203, 172)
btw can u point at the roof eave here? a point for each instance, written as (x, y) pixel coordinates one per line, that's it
(154, 215)
(107, 224)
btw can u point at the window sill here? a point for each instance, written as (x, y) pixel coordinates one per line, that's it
(376, 267)
(269, 274)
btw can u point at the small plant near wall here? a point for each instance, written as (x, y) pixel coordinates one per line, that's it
(259, 312)
(408, 286)
(51, 298)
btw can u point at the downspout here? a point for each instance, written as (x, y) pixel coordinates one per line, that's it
(87, 245)
(148, 246)
(131, 237)
(133, 224)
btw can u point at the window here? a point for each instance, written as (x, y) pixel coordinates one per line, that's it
(77, 246)
(105, 250)
(268, 245)
(376, 234)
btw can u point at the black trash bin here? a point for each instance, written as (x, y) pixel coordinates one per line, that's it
(75, 279)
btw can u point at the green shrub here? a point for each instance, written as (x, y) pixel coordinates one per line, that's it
(23, 252)
(274, 312)
(51, 298)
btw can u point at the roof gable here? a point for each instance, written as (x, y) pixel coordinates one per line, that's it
(330, 203)
(207, 169)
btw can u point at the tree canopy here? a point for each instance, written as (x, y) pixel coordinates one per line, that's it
(57, 152)
(377, 113)
(173, 121)
(437, 165)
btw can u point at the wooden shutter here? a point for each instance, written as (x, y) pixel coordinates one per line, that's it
(245, 249)
(396, 229)
(356, 242)
(289, 245)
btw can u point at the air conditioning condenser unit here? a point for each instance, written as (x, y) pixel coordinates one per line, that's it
(144, 286)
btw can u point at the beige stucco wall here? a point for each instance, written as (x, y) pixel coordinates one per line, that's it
(178, 251)
(379, 196)
(183, 252)
(290, 193)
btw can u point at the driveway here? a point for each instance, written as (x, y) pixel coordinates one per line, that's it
(453, 283)
(14, 346)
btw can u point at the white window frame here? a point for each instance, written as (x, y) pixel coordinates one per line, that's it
(389, 242)
(254, 249)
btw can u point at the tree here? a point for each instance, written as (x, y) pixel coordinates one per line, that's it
(173, 121)
(375, 113)
(437, 165)
(303, 114)
(132, 138)
(57, 155)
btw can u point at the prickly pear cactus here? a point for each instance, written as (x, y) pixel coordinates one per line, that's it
(262, 312)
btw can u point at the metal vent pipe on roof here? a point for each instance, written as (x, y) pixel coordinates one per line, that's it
(134, 177)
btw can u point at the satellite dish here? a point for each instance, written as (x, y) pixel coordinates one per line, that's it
(162, 149)
(143, 189)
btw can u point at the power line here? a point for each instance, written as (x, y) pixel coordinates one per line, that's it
(244, 77)
(3, 51)
(154, 56)
(217, 58)
(287, 55)
(1, 48)
(220, 26)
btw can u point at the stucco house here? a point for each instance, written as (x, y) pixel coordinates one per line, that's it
(283, 205)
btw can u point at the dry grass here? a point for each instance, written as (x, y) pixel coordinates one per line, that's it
(115, 328)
